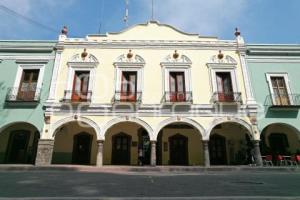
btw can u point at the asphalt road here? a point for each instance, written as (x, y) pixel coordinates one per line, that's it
(83, 185)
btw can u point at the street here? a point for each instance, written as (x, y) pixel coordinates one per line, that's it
(206, 185)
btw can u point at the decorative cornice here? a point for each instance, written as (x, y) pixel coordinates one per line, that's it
(135, 60)
(273, 50)
(27, 58)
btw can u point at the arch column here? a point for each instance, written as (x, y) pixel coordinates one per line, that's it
(44, 152)
(99, 162)
(153, 153)
(206, 153)
(256, 153)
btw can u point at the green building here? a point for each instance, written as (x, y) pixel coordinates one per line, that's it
(25, 76)
(275, 74)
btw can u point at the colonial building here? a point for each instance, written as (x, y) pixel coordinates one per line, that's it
(26, 69)
(274, 70)
(151, 92)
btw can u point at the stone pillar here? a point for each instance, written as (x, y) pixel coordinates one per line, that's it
(44, 152)
(100, 153)
(206, 153)
(153, 153)
(257, 154)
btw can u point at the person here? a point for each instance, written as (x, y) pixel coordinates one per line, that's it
(141, 156)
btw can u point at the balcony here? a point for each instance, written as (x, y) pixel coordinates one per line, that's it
(127, 97)
(283, 101)
(177, 97)
(228, 97)
(23, 95)
(77, 96)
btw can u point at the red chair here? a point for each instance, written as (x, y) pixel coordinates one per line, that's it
(293, 161)
(268, 160)
(280, 160)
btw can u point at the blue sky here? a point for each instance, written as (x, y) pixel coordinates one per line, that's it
(260, 21)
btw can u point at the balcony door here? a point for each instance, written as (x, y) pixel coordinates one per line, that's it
(177, 87)
(80, 86)
(28, 85)
(224, 86)
(129, 86)
(280, 93)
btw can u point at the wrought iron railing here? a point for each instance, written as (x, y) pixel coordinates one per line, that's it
(77, 96)
(174, 97)
(16, 94)
(130, 97)
(283, 100)
(227, 97)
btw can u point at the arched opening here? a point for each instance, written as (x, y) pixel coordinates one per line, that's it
(280, 139)
(18, 144)
(179, 143)
(230, 144)
(126, 143)
(75, 143)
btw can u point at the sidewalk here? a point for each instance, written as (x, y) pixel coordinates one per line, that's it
(145, 169)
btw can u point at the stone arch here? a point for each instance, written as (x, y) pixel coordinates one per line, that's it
(283, 124)
(138, 121)
(228, 120)
(18, 122)
(85, 120)
(172, 120)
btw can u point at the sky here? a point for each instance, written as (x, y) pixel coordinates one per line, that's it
(260, 21)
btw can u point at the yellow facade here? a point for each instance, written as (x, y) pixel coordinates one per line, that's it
(153, 47)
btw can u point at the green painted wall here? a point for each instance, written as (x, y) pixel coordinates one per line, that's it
(8, 68)
(10, 51)
(258, 69)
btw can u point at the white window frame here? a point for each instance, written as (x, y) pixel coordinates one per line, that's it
(214, 69)
(81, 67)
(286, 81)
(167, 69)
(140, 76)
(21, 68)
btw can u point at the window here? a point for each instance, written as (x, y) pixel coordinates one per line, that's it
(177, 86)
(224, 86)
(280, 91)
(81, 86)
(28, 85)
(129, 86)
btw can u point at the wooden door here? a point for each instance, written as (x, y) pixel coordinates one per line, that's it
(224, 86)
(280, 95)
(82, 149)
(129, 86)
(80, 86)
(17, 147)
(28, 85)
(217, 149)
(145, 145)
(121, 144)
(178, 150)
(177, 87)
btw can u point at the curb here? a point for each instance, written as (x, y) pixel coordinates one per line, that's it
(134, 169)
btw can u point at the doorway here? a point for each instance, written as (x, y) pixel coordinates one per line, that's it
(82, 148)
(17, 148)
(121, 144)
(217, 148)
(178, 150)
